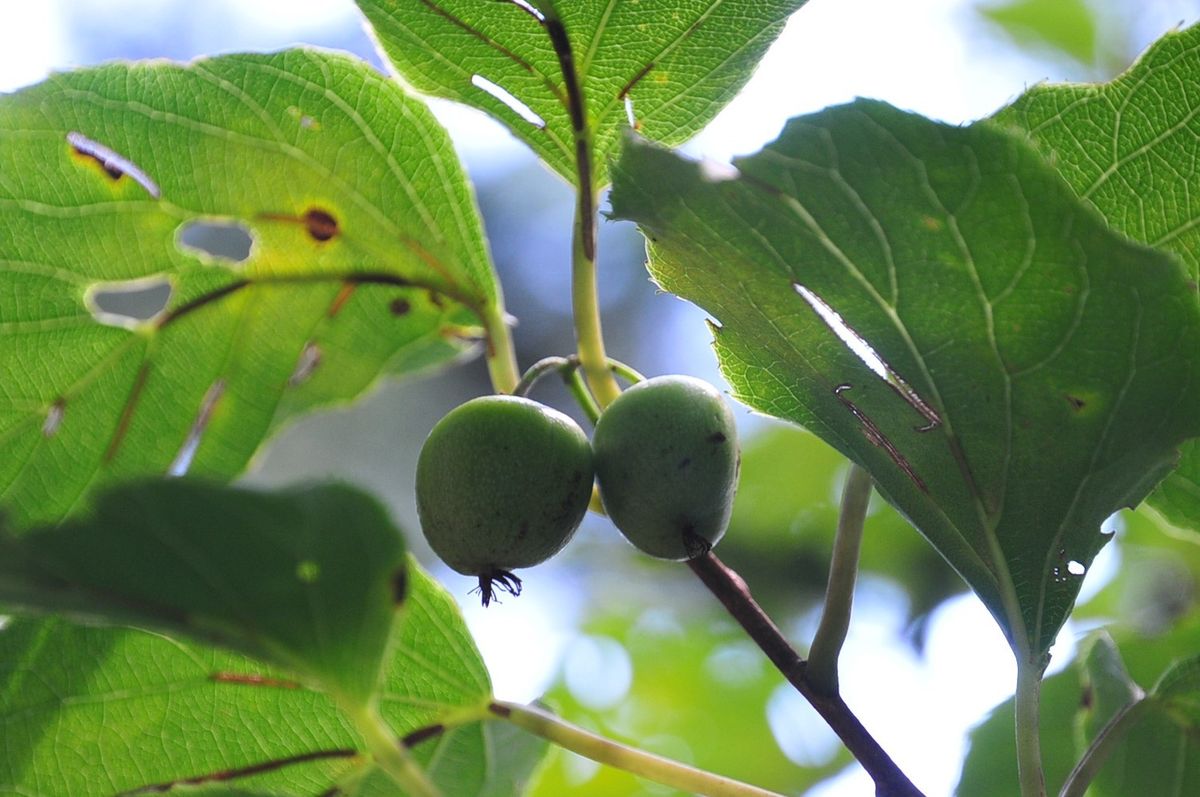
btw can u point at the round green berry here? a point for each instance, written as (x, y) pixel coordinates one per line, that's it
(667, 463)
(502, 483)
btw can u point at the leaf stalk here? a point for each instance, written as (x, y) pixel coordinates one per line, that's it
(831, 633)
(1027, 704)
(661, 770)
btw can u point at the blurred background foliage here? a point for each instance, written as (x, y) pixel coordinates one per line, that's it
(636, 648)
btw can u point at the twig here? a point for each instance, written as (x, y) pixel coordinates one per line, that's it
(732, 591)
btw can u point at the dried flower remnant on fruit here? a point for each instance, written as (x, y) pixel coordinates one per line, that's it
(502, 484)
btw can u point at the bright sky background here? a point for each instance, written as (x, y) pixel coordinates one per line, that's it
(932, 56)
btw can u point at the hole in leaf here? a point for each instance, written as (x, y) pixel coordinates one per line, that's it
(307, 363)
(113, 163)
(1076, 568)
(714, 171)
(54, 418)
(221, 239)
(863, 350)
(183, 460)
(130, 303)
(503, 95)
(305, 121)
(529, 9)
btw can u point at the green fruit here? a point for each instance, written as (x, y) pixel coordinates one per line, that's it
(502, 483)
(667, 463)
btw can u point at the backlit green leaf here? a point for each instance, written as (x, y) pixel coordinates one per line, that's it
(1157, 750)
(96, 711)
(307, 579)
(1127, 147)
(364, 246)
(674, 64)
(1028, 373)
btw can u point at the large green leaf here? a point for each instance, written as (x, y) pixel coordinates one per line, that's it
(677, 64)
(1029, 370)
(366, 248)
(308, 579)
(95, 711)
(1128, 147)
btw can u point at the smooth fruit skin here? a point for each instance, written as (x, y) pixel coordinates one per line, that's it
(502, 483)
(667, 464)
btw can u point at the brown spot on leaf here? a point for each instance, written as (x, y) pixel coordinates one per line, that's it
(224, 775)
(322, 226)
(716, 438)
(421, 734)
(340, 300)
(399, 585)
(251, 679)
(400, 307)
(1076, 403)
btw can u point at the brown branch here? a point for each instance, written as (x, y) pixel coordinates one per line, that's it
(732, 591)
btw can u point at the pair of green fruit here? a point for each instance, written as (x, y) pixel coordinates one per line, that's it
(503, 481)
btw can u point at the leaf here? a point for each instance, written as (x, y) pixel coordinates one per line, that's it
(96, 711)
(990, 766)
(1065, 26)
(1126, 147)
(1158, 753)
(677, 64)
(1107, 687)
(1028, 372)
(480, 759)
(308, 579)
(365, 245)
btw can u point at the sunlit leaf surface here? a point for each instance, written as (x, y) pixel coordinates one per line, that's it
(670, 65)
(1128, 148)
(1021, 371)
(309, 579)
(98, 711)
(191, 255)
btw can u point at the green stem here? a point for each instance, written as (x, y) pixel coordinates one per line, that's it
(501, 357)
(1028, 722)
(544, 366)
(625, 372)
(1102, 747)
(585, 301)
(391, 756)
(582, 397)
(839, 593)
(584, 291)
(638, 762)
